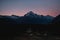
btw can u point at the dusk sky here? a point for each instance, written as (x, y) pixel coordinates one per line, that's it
(21, 7)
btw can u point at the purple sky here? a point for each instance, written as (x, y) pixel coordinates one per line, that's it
(21, 7)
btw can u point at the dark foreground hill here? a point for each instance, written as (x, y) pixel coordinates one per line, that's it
(29, 32)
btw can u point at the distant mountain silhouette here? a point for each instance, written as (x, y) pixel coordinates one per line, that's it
(29, 18)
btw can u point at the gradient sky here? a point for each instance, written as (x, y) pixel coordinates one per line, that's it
(21, 7)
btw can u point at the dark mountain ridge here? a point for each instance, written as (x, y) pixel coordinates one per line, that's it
(56, 20)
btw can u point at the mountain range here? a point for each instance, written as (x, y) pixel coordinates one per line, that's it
(30, 18)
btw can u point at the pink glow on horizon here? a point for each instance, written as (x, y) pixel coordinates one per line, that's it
(39, 12)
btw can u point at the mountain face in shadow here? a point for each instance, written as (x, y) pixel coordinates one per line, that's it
(31, 14)
(29, 18)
